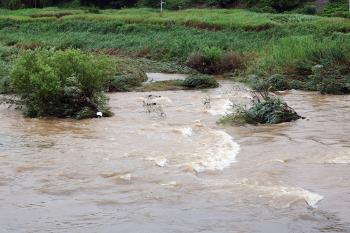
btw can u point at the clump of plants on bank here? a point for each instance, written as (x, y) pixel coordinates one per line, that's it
(213, 60)
(196, 81)
(66, 83)
(322, 79)
(200, 82)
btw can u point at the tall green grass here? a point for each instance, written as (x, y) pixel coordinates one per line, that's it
(275, 43)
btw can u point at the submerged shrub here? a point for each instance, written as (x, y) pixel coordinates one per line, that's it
(271, 111)
(200, 81)
(267, 110)
(62, 83)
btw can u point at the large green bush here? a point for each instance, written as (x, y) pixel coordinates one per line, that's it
(62, 83)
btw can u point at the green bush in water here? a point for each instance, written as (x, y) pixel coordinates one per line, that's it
(66, 83)
(269, 110)
(200, 81)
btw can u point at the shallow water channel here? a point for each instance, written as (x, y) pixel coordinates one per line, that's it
(173, 169)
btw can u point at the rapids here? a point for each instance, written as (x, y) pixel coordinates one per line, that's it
(141, 171)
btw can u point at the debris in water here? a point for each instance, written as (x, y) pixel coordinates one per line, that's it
(99, 114)
(153, 104)
(207, 103)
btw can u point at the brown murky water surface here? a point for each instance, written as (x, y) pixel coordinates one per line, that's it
(176, 170)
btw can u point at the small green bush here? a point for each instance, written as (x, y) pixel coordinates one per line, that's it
(213, 60)
(200, 81)
(62, 83)
(278, 83)
(309, 10)
(275, 82)
(122, 83)
(93, 10)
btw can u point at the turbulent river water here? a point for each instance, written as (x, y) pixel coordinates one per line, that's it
(175, 170)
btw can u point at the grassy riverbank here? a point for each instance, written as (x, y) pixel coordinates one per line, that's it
(287, 44)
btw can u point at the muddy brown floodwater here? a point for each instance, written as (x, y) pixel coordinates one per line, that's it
(175, 170)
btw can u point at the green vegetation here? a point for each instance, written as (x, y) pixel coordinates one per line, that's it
(338, 8)
(212, 41)
(170, 85)
(278, 5)
(213, 60)
(266, 110)
(61, 83)
(196, 81)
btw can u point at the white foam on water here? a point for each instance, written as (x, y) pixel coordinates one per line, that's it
(216, 154)
(339, 160)
(284, 196)
(125, 177)
(172, 183)
(187, 132)
(155, 99)
(342, 157)
(159, 161)
(220, 107)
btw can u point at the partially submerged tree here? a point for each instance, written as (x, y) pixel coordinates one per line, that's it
(66, 83)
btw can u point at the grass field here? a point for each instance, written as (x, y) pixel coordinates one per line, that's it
(289, 44)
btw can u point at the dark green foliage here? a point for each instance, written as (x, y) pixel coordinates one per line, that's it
(200, 81)
(309, 10)
(61, 83)
(275, 82)
(334, 86)
(339, 8)
(93, 10)
(5, 85)
(278, 83)
(280, 5)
